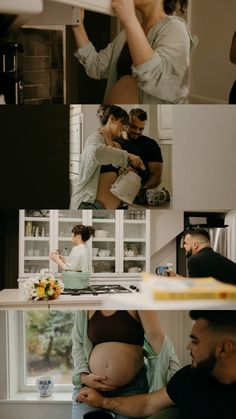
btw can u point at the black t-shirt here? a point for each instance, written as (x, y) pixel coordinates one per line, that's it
(199, 397)
(144, 147)
(206, 263)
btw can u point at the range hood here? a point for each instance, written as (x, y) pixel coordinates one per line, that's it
(16, 13)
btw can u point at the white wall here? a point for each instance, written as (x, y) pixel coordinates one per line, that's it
(204, 151)
(165, 255)
(212, 74)
(165, 226)
(40, 410)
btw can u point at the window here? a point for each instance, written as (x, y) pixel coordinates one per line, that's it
(45, 348)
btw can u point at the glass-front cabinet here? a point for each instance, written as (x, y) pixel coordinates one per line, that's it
(120, 246)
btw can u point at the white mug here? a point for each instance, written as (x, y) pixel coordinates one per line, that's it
(45, 386)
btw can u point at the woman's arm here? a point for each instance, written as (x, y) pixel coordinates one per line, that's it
(152, 328)
(55, 257)
(125, 11)
(80, 347)
(80, 34)
(233, 50)
(95, 63)
(115, 156)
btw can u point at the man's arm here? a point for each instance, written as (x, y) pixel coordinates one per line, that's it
(134, 406)
(155, 170)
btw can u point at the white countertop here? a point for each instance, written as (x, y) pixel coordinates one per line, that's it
(13, 299)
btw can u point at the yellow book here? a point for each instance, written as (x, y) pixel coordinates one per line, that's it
(166, 288)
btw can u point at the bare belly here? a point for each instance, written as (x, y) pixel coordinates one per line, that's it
(119, 362)
(104, 195)
(125, 91)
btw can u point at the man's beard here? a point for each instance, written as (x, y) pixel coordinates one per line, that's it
(205, 367)
(189, 253)
(133, 136)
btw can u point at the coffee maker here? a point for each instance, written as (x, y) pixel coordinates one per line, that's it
(11, 72)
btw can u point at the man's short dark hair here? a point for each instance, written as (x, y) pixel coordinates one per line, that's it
(218, 320)
(198, 232)
(139, 113)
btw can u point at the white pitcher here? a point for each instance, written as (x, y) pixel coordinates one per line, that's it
(126, 186)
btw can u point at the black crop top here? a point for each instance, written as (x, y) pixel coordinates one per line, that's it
(124, 62)
(118, 327)
(106, 168)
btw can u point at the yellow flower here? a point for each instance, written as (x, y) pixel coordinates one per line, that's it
(43, 282)
(57, 292)
(40, 292)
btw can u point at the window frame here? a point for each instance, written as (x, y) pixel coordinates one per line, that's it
(13, 357)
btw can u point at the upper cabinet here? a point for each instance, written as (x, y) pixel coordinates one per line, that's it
(101, 6)
(67, 12)
(120, 246)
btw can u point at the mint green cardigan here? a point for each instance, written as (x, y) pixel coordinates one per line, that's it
(95, 154)
(160, 367)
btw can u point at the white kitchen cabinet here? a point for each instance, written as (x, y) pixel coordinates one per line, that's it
(165, 122)
(35, 241)
(76, 143)
(76, 132)
(101, 6)
(66, 12)
(120, 248)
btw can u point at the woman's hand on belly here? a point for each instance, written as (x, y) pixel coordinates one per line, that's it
(96, 381)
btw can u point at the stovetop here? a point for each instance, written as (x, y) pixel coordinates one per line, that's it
(101, 289)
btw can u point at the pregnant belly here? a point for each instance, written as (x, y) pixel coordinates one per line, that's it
(104, 195)
(125, 91)
(119, 362)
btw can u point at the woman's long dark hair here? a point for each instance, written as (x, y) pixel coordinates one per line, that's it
(172, 6)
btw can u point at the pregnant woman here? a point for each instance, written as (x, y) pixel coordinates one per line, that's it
(148, 61)
(79, 258)
(108, 353)
(101, 160)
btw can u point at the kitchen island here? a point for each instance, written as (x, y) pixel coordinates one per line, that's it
(13, 299)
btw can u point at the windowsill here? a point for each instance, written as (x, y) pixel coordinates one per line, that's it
(33, 397)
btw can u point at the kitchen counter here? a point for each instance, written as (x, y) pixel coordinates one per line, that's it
(13, 299)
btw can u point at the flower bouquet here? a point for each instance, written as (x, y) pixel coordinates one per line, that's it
(43, 286)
